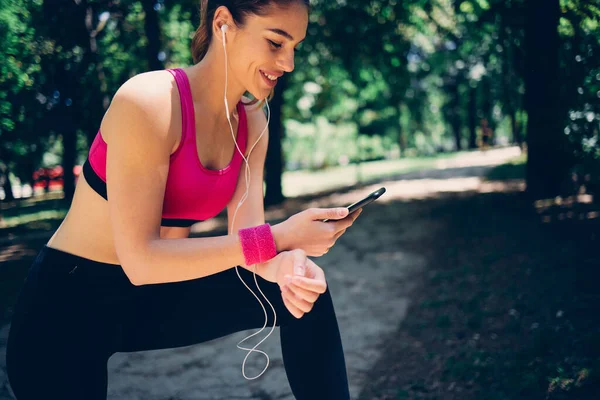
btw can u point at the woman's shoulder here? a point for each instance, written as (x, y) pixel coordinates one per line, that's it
(148, 90)
(255, 113)
(149, 95)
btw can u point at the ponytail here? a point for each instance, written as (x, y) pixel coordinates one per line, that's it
(201, 38)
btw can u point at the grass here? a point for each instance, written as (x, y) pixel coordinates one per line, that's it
(34, 214)
(514, 169)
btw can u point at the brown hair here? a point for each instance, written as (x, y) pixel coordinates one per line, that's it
(239, 10)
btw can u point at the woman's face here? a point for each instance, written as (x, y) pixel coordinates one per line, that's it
(264, 47)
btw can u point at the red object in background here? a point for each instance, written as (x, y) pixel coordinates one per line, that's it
(53, 178)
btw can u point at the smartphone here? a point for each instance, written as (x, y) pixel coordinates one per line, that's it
(361, 203)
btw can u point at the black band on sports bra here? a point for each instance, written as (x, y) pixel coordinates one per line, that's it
(99, 186)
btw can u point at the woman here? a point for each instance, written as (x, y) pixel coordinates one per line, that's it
(120, 274)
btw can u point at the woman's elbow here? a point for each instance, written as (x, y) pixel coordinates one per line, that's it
(135, 273)
(134, 267)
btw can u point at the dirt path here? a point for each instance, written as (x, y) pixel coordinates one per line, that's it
(365, 271)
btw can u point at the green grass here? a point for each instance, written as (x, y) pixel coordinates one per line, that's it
(34, 214)
(37, 216)
(515, 169)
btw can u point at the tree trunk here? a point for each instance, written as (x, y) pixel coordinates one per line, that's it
(516, 129)
(69, 138)
(152, 29)
(487, 103)
(472, 117)
(401, 133)
(547, 158)
(6, 185)
(93, 57)
(508, 75)
(454, 113)
(274, 162)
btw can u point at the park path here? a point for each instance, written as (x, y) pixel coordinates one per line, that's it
(370, 271)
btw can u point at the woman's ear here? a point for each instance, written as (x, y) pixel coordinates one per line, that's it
(222, 20)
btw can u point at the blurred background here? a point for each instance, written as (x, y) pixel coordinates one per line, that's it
(482, 118)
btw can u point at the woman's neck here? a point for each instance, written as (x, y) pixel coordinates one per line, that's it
(207, 80)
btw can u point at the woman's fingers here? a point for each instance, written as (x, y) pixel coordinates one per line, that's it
(295, 311)
(299, 303)
(302, 293)
(309, 284)
(345, 224)
(299, 260)
(337, 235)
(297, 306)
(349, 220)
(314, 273)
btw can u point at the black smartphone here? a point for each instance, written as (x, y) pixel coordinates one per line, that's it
(361, 203)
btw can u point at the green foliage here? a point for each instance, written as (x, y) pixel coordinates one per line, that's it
(373, 80)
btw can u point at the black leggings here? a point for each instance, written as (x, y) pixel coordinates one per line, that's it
(74, 313)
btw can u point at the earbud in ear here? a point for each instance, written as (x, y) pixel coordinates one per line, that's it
(224, 27)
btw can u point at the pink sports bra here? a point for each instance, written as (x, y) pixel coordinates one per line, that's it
(193, 193)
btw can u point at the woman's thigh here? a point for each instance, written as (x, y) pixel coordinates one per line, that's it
(58, 344)
(185, 313)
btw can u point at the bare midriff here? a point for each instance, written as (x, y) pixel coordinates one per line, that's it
(86, 230)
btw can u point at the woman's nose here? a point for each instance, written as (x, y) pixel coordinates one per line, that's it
(286, 62)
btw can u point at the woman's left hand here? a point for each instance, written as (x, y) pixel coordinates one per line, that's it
(300, 292)
(301, 280)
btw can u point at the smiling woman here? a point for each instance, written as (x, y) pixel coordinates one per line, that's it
(121, 274)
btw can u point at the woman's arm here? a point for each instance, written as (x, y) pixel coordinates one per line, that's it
(138, 130)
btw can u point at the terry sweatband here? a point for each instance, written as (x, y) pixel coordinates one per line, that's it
(258, 244)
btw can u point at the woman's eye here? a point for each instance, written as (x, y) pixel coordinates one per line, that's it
(276, 45)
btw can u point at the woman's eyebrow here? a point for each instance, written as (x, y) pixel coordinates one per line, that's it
(284, 34)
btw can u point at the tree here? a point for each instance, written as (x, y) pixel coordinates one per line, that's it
(19, 109)
(153, 34)
(547, 152)
(274, 163)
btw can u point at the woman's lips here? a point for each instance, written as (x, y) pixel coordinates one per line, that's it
(269, 82)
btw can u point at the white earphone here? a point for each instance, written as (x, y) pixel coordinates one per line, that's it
(247, 177)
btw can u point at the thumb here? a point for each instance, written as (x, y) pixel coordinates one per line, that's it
(330, 213)
(299, 262)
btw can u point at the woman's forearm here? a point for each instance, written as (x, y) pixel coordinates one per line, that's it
(175, 260)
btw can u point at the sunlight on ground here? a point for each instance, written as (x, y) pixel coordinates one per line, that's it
(397, 189)
(578, 207)
(404, 190)
(305, 182)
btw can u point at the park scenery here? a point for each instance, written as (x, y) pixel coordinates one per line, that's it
(475, 276)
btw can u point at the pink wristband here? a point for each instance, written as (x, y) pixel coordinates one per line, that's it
(258, 244)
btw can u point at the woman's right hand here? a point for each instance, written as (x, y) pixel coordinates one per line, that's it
(307, 231)
(301, 280)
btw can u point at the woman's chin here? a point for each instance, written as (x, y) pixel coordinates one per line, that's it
(259, 95)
